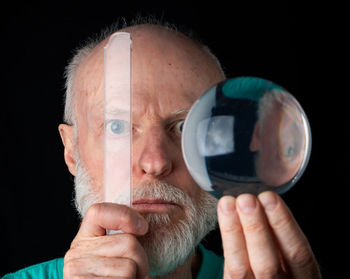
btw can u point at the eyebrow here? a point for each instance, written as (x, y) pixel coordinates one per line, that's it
(180, 112)
(116, 111)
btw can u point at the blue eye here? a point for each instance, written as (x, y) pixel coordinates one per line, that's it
(179, 126)
(117, 127)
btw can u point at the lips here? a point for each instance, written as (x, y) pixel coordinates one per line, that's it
(153, 205)
(152, 201)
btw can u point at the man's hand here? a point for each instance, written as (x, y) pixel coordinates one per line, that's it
(261, 239)
(95, 254)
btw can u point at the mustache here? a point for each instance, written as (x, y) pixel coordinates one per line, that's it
(161, 190)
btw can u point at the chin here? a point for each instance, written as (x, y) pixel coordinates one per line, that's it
(168, 243)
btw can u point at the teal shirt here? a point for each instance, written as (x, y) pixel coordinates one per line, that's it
(211, 268)
(52, 269)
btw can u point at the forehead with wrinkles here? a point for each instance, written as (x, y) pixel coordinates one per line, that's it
(166, 64)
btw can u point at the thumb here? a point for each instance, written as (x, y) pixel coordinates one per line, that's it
(109, 216)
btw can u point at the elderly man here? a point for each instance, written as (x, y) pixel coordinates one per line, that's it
(170, 213)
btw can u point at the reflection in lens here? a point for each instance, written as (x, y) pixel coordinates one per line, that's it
(246, 135)
(219, 136)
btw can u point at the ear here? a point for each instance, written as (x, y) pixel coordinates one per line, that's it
(67, 136)
(255, 142)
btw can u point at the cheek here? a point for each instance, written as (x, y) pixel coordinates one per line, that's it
(184, 180)
(91, 155)
(117, 175)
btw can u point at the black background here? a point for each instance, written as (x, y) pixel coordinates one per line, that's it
(280, 41)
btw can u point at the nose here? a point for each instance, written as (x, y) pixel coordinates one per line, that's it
(152, 156)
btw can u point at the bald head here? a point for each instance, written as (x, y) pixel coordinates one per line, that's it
(149, 41)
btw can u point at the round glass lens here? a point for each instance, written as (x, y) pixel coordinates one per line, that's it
(246, 135)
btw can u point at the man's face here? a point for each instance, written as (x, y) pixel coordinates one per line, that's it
(169, 72)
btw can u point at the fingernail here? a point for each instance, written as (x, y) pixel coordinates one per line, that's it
(268, 200)
(246, 203)
(227, 205)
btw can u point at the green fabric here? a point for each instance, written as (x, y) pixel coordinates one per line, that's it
(52, 269)
(250, 88)
(211, 268)
(212, 265)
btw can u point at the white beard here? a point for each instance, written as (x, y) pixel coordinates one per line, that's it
(167, 244)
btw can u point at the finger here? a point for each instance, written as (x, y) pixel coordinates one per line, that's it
(235, 252)
(103, 267)
(111, 246)
(293, 244)
(262, 248)
(110, 216)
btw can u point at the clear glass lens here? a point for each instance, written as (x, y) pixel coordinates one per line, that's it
(246, 135)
